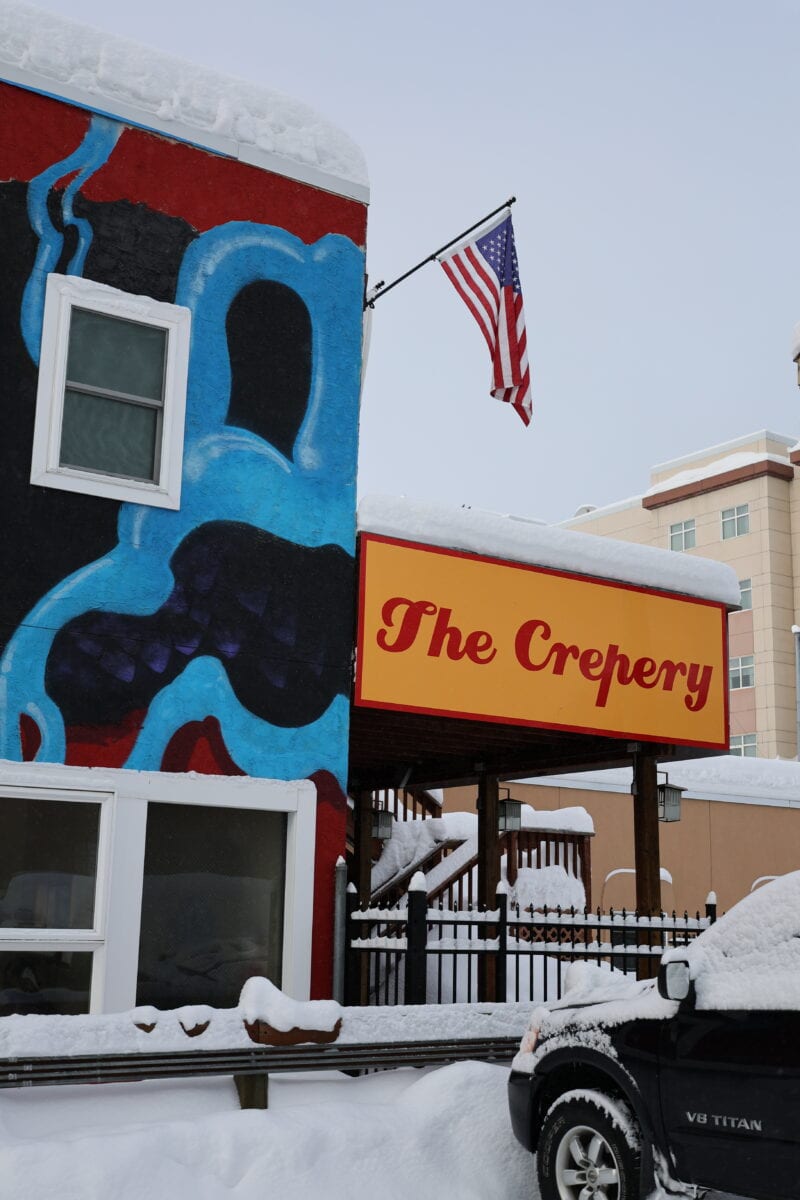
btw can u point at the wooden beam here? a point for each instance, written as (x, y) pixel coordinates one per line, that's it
(361, 873)
(488, 875)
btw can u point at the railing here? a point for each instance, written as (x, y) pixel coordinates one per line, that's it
(525, 848)
(250, 1068)
(395, 888)
(419, 954)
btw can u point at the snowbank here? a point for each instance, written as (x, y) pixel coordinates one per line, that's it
(509, 538)
(120, 76)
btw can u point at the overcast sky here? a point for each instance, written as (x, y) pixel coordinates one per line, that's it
(653, 150)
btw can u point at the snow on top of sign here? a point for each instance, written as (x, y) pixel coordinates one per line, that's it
(502, 537)
(117, 75)
(731, 462)
(729, 776)
(750, 959)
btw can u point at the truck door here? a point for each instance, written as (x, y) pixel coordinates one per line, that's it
(730, 1099)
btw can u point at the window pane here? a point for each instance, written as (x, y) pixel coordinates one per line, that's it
(212, 904)
(117, 355)
(45, 982)
(48, 864)
(99, 434)
(688, 537)
(745, 593)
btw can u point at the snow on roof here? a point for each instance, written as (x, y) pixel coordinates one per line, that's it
(719, 466)
(111, 74)
(730, 777)
(499, 536)
(746, 439)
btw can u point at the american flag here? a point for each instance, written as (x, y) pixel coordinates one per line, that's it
(485, 273)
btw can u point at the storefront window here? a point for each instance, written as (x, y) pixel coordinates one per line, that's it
(212, 903)
(56, 981)
(48, 881)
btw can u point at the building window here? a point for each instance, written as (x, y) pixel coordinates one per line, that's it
(50, 924)
(681, 535)
(735, 521)
(745, 593)
(112, 393)
(743, 744)
(741, 672)
(212, 903)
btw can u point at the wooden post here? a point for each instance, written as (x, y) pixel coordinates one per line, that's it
(646, 849)
(488, 873)
(361, 877)
(253, 1090)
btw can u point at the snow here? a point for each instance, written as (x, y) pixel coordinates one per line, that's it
(549, 546)
(731, 462)
(112, 74)
(260, 1000)
(729, 777)
(412, 841)
(618, 1113)
(437, 1133)
(547, 887)
(750, 959)
(33, 1036)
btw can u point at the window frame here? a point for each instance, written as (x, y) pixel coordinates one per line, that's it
(741, 750)
(749, 592)
(62, 294)
(680, 530)
(741, 663)
(80, 941)
(733, 516)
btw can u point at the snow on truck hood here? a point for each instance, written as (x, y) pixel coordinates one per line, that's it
(750, 959)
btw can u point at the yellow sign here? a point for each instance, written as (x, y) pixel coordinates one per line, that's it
(460, 635)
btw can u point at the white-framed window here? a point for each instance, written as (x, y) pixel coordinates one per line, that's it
(53, 875)
(682, 535)
(111, 399)
(741, 672)
(735, 521)
(746, 593)
(744, 744)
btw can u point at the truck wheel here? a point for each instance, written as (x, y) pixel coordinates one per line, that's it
(584, 1155)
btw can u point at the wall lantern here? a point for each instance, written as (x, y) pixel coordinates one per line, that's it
(669, 801)
(509, 814)
(382, 823)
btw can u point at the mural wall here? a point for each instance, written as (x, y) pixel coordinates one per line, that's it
(218, 637)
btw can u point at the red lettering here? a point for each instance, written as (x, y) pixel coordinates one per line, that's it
(588, 663)
(615, 662)
(643, 670)
(446, 637)
(410, 621)
(479, 647)
(698, 686)
(522, 643)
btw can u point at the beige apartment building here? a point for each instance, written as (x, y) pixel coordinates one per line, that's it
(739, 503)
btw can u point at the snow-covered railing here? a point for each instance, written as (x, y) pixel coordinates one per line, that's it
(420, 954)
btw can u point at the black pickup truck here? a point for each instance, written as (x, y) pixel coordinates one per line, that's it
(690, 1084)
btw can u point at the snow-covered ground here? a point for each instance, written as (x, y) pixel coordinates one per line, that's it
(439, 1134)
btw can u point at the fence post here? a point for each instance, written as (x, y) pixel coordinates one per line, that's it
(416, 941)
(501, 900)
(339, 927)
(711, 907)
(353, 958)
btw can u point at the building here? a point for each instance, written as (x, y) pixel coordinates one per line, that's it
(183, 265)
(739, 503)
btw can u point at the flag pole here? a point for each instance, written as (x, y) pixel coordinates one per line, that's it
(380, 289)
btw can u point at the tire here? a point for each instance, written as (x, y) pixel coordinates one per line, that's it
(584, 1155)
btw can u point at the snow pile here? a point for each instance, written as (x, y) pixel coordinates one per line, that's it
(111, 72)
(750, 959)
(547, 887)
(731, 462)
(260, 1000)
(443, 1133)
(548, 546)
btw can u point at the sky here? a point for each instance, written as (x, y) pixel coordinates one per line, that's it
(652, 149)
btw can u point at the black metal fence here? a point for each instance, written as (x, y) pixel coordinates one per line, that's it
(413, 954)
